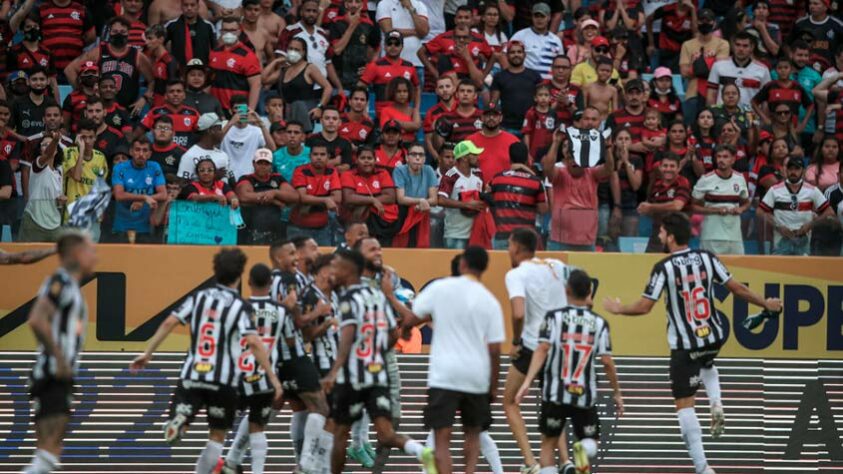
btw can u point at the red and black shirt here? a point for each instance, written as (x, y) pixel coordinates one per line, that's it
(380, 72)
(232, 69)
(445, 44)
(63, 30)
(165, 68)
(74, 107)
(124, 70)
(358, 133)
(676, 28)
(464, 125)
(20, 58)
(185, 119)
(515, 199)
(314, 184)
(783, 92)
(168, 157)
(622, 118)
(219, 188)
(372, 185)
(388, 162)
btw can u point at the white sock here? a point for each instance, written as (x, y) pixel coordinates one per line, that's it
(297, 421)
(313, 429)
(240, 443)
(549, 470)
(692, 435)
(430, 442)
(360, 431)
(590, 447)
(209, 457)
(326, 441)
(490, 452)
(711, 380)
(414, 448)
(259, 449)
(42, 462)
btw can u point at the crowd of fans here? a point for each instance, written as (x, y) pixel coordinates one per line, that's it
(587, 119)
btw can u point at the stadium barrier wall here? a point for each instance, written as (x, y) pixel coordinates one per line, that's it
(136, 287)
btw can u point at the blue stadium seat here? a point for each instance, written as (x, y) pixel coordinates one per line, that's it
(428, 100)
(633, 244)
(371, 104)
(750, 247)
(64, 91)
(645, 226)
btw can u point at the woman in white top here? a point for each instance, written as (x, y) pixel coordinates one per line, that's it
(491, 28)
(42, 217)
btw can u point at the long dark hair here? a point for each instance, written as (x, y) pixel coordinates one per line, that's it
(818, 155)
(498, 27)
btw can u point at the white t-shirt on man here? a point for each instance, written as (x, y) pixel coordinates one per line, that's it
(466, 319)
(541, 282)
(240, 144)
(402, 20)
(195, 154)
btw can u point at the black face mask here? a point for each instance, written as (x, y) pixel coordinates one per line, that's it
(38, 90)
(119, 41)
(32, 35)
(706, 28)
(89, 81)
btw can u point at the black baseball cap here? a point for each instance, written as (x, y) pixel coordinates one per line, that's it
(795, 163)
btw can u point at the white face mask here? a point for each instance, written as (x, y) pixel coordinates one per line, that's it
(662, 91)
(293, 56)
(229, 38)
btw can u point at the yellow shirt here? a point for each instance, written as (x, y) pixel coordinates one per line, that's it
(91, 170)
(584, 74)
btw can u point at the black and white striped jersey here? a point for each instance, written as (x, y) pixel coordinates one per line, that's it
(282, 284)
(218, 318)
(576, 336)
(689, 276)
(268, 318)
(67, 326)
(324, 346)
(302, 281)
(368, 310)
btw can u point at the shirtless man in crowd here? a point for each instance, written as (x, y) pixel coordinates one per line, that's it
(162, 11)
(260, 38)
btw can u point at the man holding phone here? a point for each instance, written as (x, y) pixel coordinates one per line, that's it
(243, 135)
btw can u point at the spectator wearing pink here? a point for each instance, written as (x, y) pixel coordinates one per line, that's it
(822, 172)
(574, 215)
(495, 144)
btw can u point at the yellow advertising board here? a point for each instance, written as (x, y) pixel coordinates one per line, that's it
(137, 286)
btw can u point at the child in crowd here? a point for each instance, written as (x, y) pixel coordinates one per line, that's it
(653, 135)
(600, 94)
(539, 123)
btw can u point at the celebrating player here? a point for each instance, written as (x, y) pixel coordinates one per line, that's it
(256, 393)
(696, 330)
(359, 376)
(219, 318)
(300, 378)
(572, 336)
(58, 319)
(535, 286)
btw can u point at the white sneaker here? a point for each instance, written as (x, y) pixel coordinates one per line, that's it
(174, 429)
(534, 469)
(718, 421)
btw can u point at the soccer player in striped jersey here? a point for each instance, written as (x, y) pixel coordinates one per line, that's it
(360, 375)
(218, 319)
(569, 340)
(535, 286)
(696, 330)
(256, 393)
(298, 373)
(307, 251)
(58, 320)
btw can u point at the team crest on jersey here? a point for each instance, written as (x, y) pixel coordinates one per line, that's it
(148, 180)
(478, 124)
(345, 306)
(363, 38)
(230, 62)
(376, 184)
(407, 75)
(187, 121)
(362, 133)
(326, 185)
(736, 187)
(475, 51)
(55, 289)
(670, 193)
(549, 123)
(203, 367)
(170, 160)
(273, 184)
(75, 15)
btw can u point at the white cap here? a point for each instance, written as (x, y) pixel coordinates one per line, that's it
(208, 120)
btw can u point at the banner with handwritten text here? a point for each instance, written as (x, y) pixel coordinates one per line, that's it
(200, 223)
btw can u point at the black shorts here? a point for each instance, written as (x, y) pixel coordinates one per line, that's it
(685, 366)
(522, 362)
(298, 375)
(348, 404)
(442, 406)
(51, 397)
(219, 401)
(259, 406)
(329, 397)
(554, 415)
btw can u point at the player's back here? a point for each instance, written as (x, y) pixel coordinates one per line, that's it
(576, 335)
(218, 318)
(541, 282)
(688, 276)
(269, 319)
(68, 323)
(369, 311)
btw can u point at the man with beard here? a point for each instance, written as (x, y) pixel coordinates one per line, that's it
(115, 114)
(307, 251)
(827, 31)
(566, 97)
(32, 146)
(631, 116)
(460, 51)
(184, 116)
(445, 88)
(125, 63)
(753, 75)
(165, 151)
(357, 127)
(792, 208)
(28, 110)
(722, 196)
(671, 192)
(495, 144)
(195, 95)
(29, 53)
(73, 107)
(514, 87)
(108, 138)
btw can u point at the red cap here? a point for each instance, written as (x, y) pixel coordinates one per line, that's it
(827, 3)
(391, 125)
(764, 136)
(89, 66)
(599, 41)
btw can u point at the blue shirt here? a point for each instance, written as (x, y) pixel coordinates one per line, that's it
(284, 163)
(414, 186)
(135, 181)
